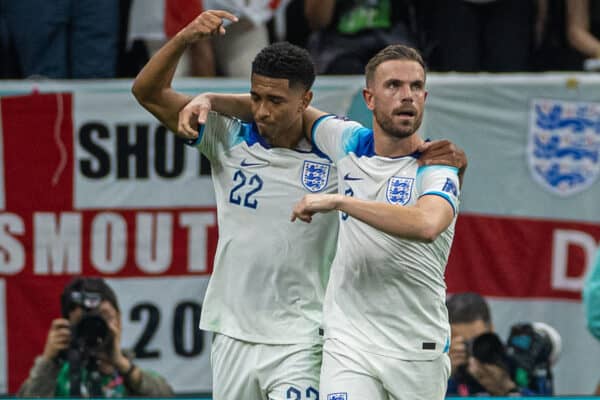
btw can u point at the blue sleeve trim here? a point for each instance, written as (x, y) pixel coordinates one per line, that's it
(313, 130)
(442, 195)
(195, 142)
(422, 168)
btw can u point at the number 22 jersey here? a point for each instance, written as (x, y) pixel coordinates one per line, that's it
(269, 274)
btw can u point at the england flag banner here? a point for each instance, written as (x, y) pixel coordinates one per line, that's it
(91, 184)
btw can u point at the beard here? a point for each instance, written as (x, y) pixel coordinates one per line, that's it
(401, 130)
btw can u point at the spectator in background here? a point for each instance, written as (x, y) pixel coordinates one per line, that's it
(153, 22)
(347, 33)
(552, 50)
(66, 38)
(591, 302)
(583, 28)
(296, 24)
(483, 365)
(483, 35)
(200, 55)
(234, 54)
(469, 316)
(9, 67)
(105, 370)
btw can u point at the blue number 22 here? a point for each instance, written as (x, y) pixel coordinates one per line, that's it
(255, 184)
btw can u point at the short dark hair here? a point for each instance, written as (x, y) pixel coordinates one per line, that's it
(467, 307)
(88, 285)
(392, 52)
(284, 60)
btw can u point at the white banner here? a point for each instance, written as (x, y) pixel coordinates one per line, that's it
(160, 318)
(529, 252)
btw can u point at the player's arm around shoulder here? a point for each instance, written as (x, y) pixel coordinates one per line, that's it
(310, 116)
(195, 112)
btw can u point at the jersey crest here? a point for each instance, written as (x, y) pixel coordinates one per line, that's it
(564, 145)
(399, 190)
(315, 175)
(337, 396)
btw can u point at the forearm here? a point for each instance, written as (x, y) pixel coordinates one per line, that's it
(42, 379)
(584, 42)
(152, 86)
(411, 222)
(234, 105)
(578, 28)
(140, 382)
(150, 385)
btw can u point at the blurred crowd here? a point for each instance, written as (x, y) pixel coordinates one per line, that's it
(81, 39)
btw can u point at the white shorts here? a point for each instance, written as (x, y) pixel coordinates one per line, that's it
(253, 371)
(350, 374)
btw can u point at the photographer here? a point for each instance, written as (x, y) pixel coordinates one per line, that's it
(82, 356)
(469, 317)
(483, 365)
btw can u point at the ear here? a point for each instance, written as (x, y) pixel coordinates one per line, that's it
(306, 99)
(368, 97)
(425, 97)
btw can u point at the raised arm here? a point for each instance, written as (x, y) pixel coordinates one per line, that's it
(152, 86)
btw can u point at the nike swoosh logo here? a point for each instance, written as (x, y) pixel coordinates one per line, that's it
(245, 163)
(347, 177)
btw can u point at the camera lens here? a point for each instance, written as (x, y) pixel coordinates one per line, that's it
(91, 332)
(488, 348)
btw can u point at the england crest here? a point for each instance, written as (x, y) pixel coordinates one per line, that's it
(564, 145)
(399, 190)
(315, 176)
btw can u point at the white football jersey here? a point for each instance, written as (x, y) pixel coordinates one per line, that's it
(386, 295)
(269, 274)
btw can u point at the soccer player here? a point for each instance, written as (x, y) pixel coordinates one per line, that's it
(386, 325)
(264, 300)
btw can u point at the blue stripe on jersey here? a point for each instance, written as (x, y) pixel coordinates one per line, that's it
(194, 142)
(447, 345)
(313, 130)
(359, 141)
(250, 135)
(442, 195)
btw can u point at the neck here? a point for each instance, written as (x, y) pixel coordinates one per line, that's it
(289, 138)
(387, 145)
